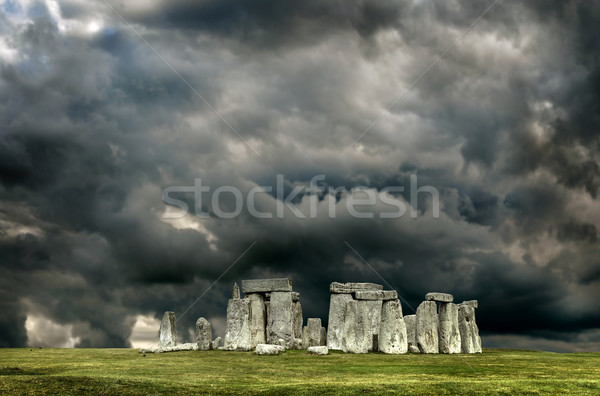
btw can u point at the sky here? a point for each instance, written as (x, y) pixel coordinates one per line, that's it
(105, 105)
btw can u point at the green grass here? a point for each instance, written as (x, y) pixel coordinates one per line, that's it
(125, 371)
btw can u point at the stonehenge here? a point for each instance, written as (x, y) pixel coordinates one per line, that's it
(362, 318)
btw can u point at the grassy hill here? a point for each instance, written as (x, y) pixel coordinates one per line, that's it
(125, 371)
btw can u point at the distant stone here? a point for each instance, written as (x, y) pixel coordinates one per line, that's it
(297, 318)
(317, 350)
(439, 297)
(357, 328)
(305, 343)
(297, 343)
(449, 334)
(269, 349)
(323, 340)
(392, 333)
(235, 293)
(313, 327)
(427, 327)
(190, 346)
(267, 285)
(376, 295)
(167, 334)
(411, 333)
(258, 318)
(203, 334)
(237, 335)
(216, 343)
(469, 332)
(295, 296)
(335, 327)
(279, 320)
(281, 342)
(473, 303)
(351, 287)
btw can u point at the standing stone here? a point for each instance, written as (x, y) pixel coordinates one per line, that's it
(469, 332)
(411, 333)
(258, 318)
(313, 326)
(203, 334)
(280, 323)
(167, 334)
(298, 319)
(216, 342)
(357, 328)
(335, 330)
(237, 335)
(305, 343)
(373, 307)
(427, 327)
(235, 293)
(323, 340)
(392, 333)
(449, 334)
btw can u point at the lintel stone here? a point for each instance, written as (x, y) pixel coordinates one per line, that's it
(439, 297)
(376, 295)
(266, 285)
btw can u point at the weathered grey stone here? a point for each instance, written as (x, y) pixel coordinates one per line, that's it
(373, 307)
(297, 343)
(392, 332)
(469, 332)
(203, 334)
(335, 327)
(449, 335)
(357, 328)
(237, 335)
(295, 296)
(351, 287)
(281, 342)
(427, 327)
(279, 320)
(440, 297)
(266, 285)
(376, 295)
(269, 349)
(258, 318)
(235, 293)
(323, 340)
(167, 334)
(216, 343)
(305, 343)
(190, 346)
(411, 333)
(473, 303)
(317, 350)
(313, 326)
(298, 319)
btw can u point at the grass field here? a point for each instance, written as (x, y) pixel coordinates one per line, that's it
(125, 371)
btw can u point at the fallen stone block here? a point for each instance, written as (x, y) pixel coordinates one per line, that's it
(439, 297)
(267, 285)
(317, 350)
(269, 349)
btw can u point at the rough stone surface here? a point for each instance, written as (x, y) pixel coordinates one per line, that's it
(295, 296)
(357, 328)
(351, 287)
(203, 334)
(373, 308)
(411, 333)
(323, 340)
(392, 332)
(258, 318)
(469, 332)
(216, 343)
(305, 337)
(439, 297)
(167, 334)
(449, 335)
(267, 285)
(335, 327)
(269, 349)
(235, 292)
(473, 303)
(427, 327)
(281, 342)
(313, 326)
(279, 320)
(318, 350)
(297, 318)
(376, 295)
(237, 335)
(190, 346)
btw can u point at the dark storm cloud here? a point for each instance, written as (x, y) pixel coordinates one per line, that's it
(93, 125)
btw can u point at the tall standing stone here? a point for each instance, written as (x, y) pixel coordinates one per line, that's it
(392, 333)
(280, 323)
(335, 329)
(449, 334)
(237, 335)
(357, 328)
(427, 327)
(469, 332)
(204, 334)
(313, 329)
(411, 333)
(297, 319)
(235, 292)
(373, 307)
(323, 340)
(167, 334)
(258, 318)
